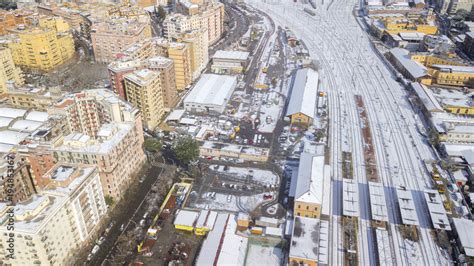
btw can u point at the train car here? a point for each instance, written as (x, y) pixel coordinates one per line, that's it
(312, 3)
(309, 11)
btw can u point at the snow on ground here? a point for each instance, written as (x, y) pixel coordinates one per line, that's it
(227, 202)
(260, 255)
(270, 112)
(250, 174)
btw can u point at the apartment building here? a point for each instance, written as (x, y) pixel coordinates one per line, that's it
(211, 18)
(117, 151)
(20, 180)
(167, 79)
(452, 75)
(51, 226)
(199, 49)
(38, 99)
(41, 49)
(144, 91)
(117, 70)
(86, 111)
(181, 56)
(8, 71)
(110, 38)
(11, 19)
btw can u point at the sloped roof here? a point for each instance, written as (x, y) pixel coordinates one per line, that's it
(309, 187)
(303, 93)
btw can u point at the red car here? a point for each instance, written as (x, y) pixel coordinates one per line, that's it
(267, 196)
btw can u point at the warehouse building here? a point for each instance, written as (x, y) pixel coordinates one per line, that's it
(303, 93)
(229, 62)
(210, 94)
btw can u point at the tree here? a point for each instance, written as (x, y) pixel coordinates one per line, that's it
(462, 13)
(186, 150)
(152, 145)
(109, 200)
(161, 13)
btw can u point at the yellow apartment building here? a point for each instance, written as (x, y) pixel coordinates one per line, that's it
(56, 23)
(144, 91)
(199, 50)
(8, 70)
(41, 49)
(429, 60)
(452, 75)
(181, 55)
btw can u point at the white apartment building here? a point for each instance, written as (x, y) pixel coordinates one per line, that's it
(52, 225)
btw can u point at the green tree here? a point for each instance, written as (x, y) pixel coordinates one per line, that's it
(462, 13)
(152, 145)
(109, 200)
(161, 13)
(186, 150)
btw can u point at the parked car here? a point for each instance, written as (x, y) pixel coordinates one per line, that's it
(229, 198)
(267, 196)
(95, 249)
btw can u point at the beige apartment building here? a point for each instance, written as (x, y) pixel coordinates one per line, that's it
(52, 225)
(38, 99)
(86, 111)
(199, 50)
(144, 91)
(211, 17)
(111, 38)
(8, 71)
(167, 79)
(117, 152)
(181, 56)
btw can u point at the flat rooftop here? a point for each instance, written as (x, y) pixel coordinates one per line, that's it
(407, 207)
(378, 204)
(212, 89)
(310, 239)
(231, 55)
(437, 211)
(350, 197)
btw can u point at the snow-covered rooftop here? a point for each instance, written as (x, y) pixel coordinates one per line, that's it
(407, 207)
(12, 137)
(464, 230)
(26, 125)
(231, 55)
(350, 196)
(212, 89)
(437, 211)
(309, 186)
(12, 112)
(78, 142)
(303, 93)
(234, 246)
(415, 69)
(383, 247)
(175, 115)
(427, 98)
(310, 239)
(186, 218)
(378, 205)
(452, 69)
(210, 246)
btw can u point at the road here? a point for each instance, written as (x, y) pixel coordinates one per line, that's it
(350, 66)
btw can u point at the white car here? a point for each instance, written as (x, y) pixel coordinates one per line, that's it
(95, 249)
(229, 198)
